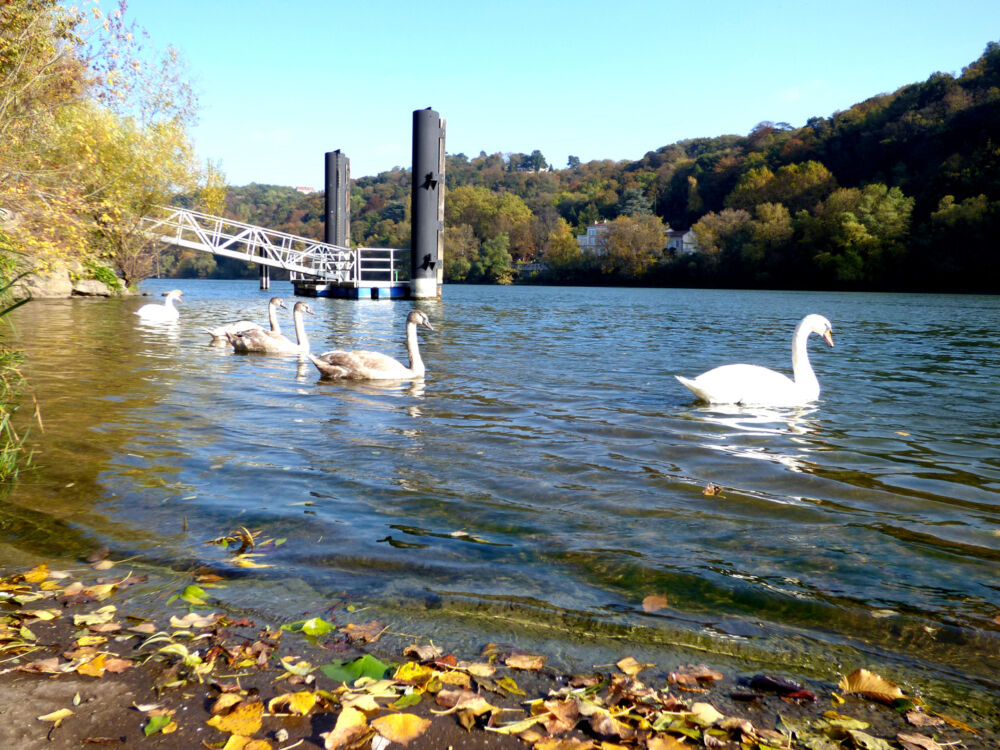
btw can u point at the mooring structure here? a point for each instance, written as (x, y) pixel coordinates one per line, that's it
(332, 268)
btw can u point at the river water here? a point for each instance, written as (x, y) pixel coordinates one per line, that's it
(550, 473)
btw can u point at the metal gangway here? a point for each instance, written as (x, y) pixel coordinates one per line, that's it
(317, 266)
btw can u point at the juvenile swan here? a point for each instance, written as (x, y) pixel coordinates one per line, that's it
(219, 334)
(259, 340)
(759, 386)
(365, 365)
(165, 313)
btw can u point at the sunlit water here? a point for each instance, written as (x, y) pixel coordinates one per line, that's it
(550, 432)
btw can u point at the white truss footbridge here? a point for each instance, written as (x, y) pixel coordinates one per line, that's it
(301, 256)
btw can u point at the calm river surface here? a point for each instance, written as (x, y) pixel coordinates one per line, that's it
(861, 532)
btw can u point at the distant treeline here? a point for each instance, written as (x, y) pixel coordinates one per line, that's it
(899, 192)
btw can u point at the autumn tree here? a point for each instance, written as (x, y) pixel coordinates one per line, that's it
(632, 245)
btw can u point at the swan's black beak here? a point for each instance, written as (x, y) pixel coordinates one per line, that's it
(828, 336)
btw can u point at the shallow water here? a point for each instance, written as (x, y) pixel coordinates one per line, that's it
(551, 435)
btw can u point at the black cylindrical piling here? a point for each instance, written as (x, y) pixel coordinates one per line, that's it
(338, 199)
(427, 228)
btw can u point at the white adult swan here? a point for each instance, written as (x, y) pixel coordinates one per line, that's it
(219, 334)
(165, 313)
(752, 385)
(259, 340)
(365, 365)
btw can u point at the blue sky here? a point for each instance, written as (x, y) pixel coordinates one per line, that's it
(281, 83)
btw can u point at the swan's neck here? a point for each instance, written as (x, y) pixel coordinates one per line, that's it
(802, 371)
(413, 349)
(300, 332)
(272, 316)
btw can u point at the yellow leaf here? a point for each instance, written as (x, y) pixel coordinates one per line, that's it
(236, 742)
(37, 574)
(413, 673)
(91, 640)
(225, 702)
(631, 667)
(56, 716)
(401, 728)
(870, 685)
(245, 719)
(351, 726)
(298, 703)
(516, 728)
(94, 667)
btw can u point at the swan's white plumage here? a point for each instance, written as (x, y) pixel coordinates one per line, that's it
(218, 334)
(366, 365)
(259, 340)
(752, 385)
(165, 313)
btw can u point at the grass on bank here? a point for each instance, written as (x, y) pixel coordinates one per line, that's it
(12, 455)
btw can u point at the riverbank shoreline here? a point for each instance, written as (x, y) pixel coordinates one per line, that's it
(87, 664)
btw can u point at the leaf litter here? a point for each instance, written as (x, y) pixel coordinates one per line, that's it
(252, 685)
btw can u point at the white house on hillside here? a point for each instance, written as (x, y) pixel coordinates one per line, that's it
(681, 241)
(593, 240)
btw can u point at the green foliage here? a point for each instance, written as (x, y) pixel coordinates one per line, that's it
(363, 666)
(103, 274)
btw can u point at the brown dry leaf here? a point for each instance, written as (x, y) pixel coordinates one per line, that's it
(351, 726)
(236, 742)
(525, 661)
(665, 742)
(401, 728)
(562, 716)
(631, 667)
(43, 666)
(424, 653)
(607, 726)
(477, 669)
(364, 633)
(244, 719)
(145, 628)
(461, 700)
(920, 719)
(654, 602)
(870, 685)
(116, 665)
(917, 742)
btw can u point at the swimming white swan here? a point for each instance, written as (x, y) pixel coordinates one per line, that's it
(759, 386)
(259, 340)
(165, 313)
(219, 334)
(365, 365)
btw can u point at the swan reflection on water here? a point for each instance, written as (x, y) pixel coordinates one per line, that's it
(762, 420)
(750, 421)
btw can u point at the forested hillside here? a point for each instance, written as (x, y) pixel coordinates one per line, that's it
(901, 191)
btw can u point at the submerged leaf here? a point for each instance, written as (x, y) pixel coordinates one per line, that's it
(525, 661)
(871, 686)
(349, 671)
